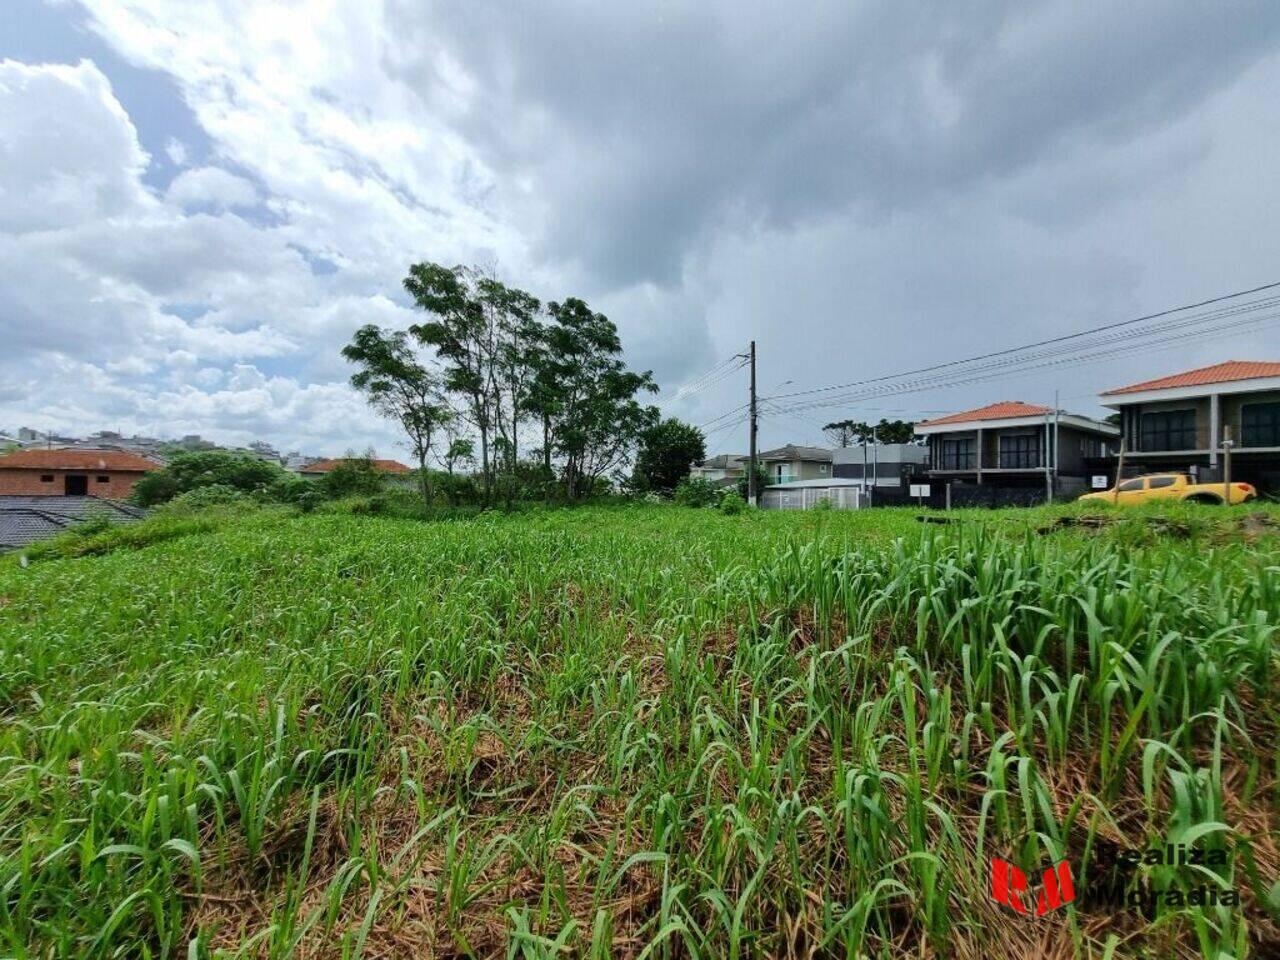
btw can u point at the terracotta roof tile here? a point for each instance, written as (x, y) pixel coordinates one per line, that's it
(76, 460)
(1223, 372)
(1004, 410)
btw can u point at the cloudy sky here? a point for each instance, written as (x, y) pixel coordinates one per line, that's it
(199, 201)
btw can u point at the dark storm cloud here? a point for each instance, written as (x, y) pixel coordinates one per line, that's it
(645, 127)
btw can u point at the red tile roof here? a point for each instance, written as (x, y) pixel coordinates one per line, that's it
(382, 466)
(1004, 410)
(1218, 373)
(107, 460)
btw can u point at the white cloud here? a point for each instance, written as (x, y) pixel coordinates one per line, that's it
(211, 188)
(69, 153)
(119, 307)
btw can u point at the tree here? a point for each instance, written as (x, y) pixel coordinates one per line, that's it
(480, 330)
(401, 389)
(206, 468)
(461, 450)
(353, 476)
(587, 395)
(667, 450)
(853, 433)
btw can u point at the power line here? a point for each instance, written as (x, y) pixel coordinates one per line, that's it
(1144, 341)
(1040, 343)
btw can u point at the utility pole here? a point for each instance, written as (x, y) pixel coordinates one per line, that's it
(752, 492)
(1226, 464)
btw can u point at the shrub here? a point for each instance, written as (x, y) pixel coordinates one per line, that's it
(206, 468)
(352, 477)
(732, 503)
(696, 492)
(201, 498)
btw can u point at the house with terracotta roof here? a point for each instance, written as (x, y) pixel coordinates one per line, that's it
(320, 467)
(1015, 444)
(1179, 422)
(108, 474)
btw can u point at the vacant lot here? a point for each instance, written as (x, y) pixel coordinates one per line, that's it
(615, 732)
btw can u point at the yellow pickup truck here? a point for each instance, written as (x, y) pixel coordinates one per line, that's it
(1174, 486)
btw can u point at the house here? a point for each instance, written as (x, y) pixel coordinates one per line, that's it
(108, 474)
(723, 470)
(1012, 444)
(1178, 422)
(882, 464)
(793, 462)
(320, 467)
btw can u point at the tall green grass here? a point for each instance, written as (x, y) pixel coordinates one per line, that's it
(631, 732)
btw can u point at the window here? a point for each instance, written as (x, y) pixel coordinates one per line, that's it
(822, 468)
(1157, 482)
(46, 478)
(957, 454)
(1260, 425)
(1172, 430)
(103, 478)
(1020, 450)
(1130, 485)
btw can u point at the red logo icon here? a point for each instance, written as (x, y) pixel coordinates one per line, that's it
(1009, 887)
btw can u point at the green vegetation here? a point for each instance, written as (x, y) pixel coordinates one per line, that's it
(634, 731)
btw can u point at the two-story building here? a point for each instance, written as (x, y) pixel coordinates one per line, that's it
(723, 469)
(1015, 444)
(1179, 422)
(794, 462)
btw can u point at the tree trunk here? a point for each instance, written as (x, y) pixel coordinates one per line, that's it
(425, 477)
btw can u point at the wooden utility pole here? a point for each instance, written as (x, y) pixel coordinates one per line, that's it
(752, 492)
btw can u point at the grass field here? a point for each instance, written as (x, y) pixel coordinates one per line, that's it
(637, 731)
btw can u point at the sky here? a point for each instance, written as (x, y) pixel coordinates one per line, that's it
(201, 201)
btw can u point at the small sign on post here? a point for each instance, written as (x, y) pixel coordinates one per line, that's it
(920, 491)
(1100, 481)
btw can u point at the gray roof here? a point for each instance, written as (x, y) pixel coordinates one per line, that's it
(723, 461)
(794, 451)
(24, 520)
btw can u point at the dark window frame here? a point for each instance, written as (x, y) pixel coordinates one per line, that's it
(1168, 430)
(1159, 483)
(103, 478)
(1260, 424)
(46, 478)
(962, 454)
(1020, 451)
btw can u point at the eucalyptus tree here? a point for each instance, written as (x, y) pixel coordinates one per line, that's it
(400, 388)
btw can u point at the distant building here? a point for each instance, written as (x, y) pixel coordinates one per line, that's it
(723, 469)
(882, 464)
(1178, 422)
(36, 472)
(794, 462)
(320, 467)
(1015, 444)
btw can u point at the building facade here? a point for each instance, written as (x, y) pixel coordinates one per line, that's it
(1180, 422)
(108, 474)
(723, 469)
(1016, 444)
(794, 462)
